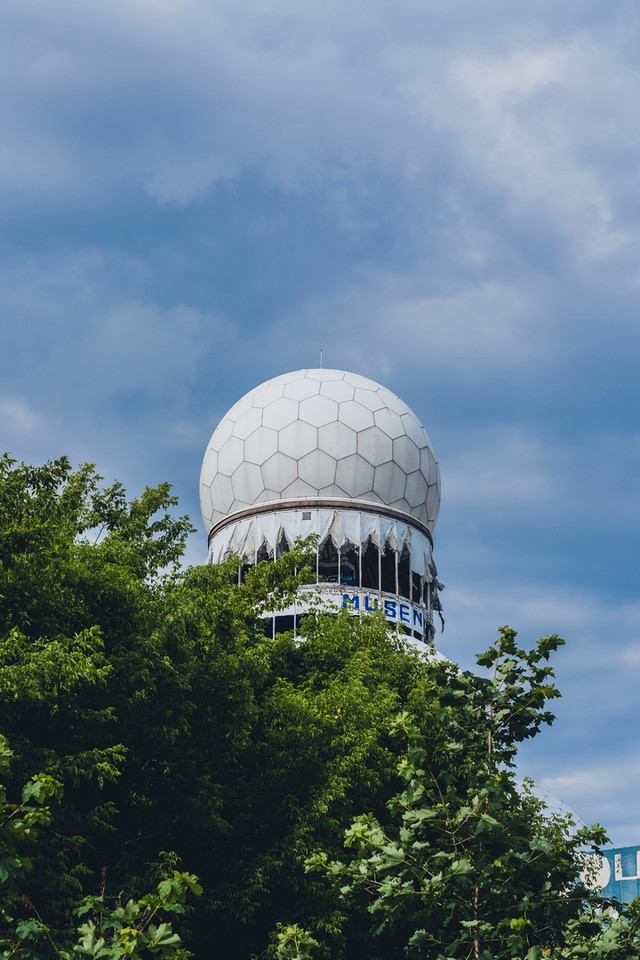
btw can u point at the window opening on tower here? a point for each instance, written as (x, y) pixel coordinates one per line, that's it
(370, 566)
(388, 571)
(358, 564)
(404, 573)
(328, 563)
(263, 553)
(350, 565)
(416, 587)
(282, 547)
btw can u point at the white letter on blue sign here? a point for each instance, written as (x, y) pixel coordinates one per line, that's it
(617, 867)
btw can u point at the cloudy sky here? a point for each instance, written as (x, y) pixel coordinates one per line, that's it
(444, 196)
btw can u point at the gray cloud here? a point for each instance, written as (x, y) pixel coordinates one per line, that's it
(443, 197)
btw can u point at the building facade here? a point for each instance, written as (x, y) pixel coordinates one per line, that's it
(334, 454)
(615, 874)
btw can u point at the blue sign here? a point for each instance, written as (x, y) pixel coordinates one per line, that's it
(614, 873)
(395, 611)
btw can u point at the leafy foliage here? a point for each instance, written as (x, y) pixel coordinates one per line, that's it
(289, 739)
(173, 721)
(82, 575)
(20, 825)
(604, 932)
(293, 943)
(125, 930)
(473, 866)
(128, 929)
(154, 698)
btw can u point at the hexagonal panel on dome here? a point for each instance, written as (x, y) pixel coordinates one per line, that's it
(427, 463)
(246, 483)
(209, 467)
(375, 446)
(333, 491)
(390, 422)
(221, 493)
(223, 432)
(337, 439)
(337, 389)
(355, 415)
(433, 502)
(298, 438)
(368, 398)
(266, 496)
(318, 410)
(420, 514)
(406, 454)
(389, 482)
(261, 445)
(230, 455)
(357, 380)
(317, 468)
(280, 412)
(355, 476)
(247, 423)
(298, 488)
(278, 471)
(401, 505)
(206, 500)
(267, 393)
(414, 429)
(416, 489)
(302, 389)
(392, 402)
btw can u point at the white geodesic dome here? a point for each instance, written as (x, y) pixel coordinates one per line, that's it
(320, 436)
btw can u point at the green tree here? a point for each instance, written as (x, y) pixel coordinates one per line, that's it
(604, 931)
(82, 579)
(173, 722)
(287, 740)
(20, 826)
(107, 932)
(154, 697)
(127, 929)
(472, 866)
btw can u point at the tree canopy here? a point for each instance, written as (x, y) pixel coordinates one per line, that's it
(159, 731)
(473, 865)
